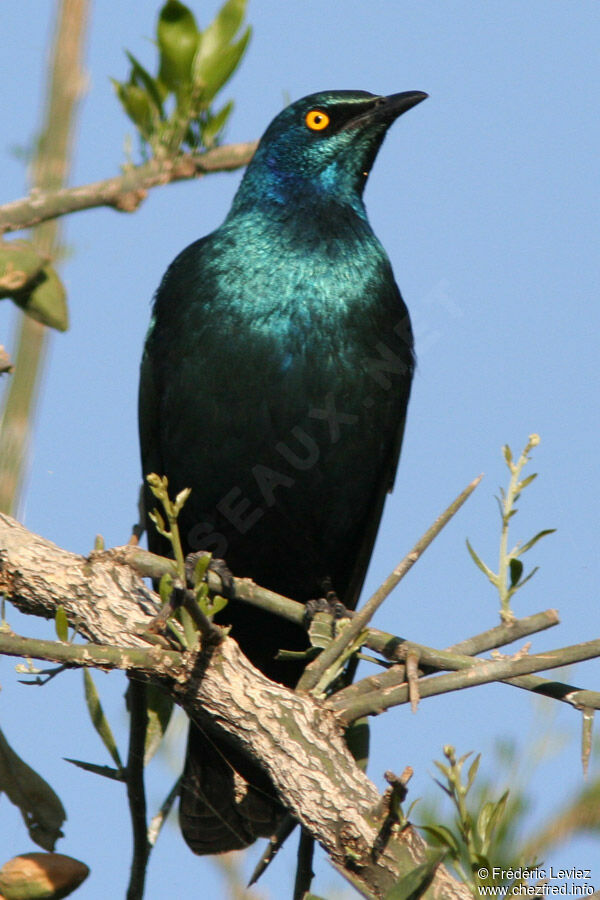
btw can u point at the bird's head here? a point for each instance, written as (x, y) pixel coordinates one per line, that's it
(325, 144)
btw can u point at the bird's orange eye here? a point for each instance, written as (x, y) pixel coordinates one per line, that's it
(317, 120)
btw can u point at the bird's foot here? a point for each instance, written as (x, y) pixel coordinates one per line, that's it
(196, 562)
(322, 615)
(329, 603)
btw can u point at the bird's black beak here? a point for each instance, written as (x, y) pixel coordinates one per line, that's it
(384, 110)
(389, 108)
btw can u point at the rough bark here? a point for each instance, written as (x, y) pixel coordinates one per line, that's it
(298, 741)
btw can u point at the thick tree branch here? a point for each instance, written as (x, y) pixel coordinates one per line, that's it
(122, 192)
(298, 741)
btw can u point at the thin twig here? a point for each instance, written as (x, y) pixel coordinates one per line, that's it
(506, 633)
(275, 844)
(210, 632)
(136, 791)
(304, 871)
(412, 678)
(100, 656)
(315, 671)
(481, 672)
(163, 813)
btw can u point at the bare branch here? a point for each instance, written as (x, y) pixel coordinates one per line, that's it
(122, 192)
(391, 646)
(478, 672)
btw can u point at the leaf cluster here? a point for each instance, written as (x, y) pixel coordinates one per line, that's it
(474, 840)
(172, 110)
(509, 578)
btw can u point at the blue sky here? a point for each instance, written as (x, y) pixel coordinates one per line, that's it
(486, 199)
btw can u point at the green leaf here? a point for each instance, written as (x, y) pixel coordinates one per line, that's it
(498, 812)
(136, 103)
(473, 768)
(443, 787)
(165, 587)
(444, 836)
(215, 605)
(445, 770)
(42, 811)
(483, 820)
(527, 546)
(481, 565)
(215, 124)
(224, 27)
(142, 78)
(46, 300)
(99, 720)
(159, 708)
(487, 820)
(529, 577)
(178, 40)
(462, 760)
(104, 771)
(526, 481)
(516, 570)
(211, 72)
(416, 882)
(190, 633)
(507, 453)
(61, 624)
(201, 567)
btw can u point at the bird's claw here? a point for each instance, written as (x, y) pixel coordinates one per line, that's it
(329, 603)
(218, 566)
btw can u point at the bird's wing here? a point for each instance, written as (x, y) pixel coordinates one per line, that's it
(386, 481)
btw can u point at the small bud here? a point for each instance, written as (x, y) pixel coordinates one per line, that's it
(20, 262)
(158, 520)
(158, 485)
(181, 498)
